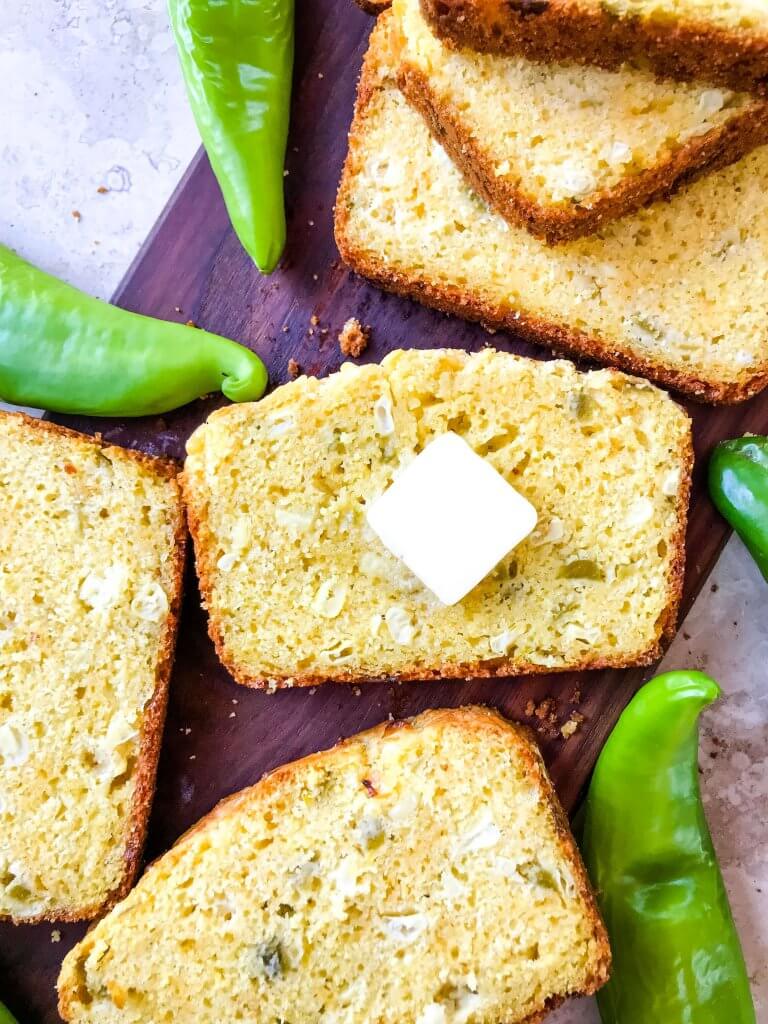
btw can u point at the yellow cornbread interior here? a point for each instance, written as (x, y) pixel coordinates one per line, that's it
(682, 284)
(298, 585)
(414, 875)
(560, 133)
(86, 578)
(741, 17)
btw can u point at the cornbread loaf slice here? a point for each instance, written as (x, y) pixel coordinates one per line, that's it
(560, 148)
(420, 873)
(91, 550)
(723, 41)
(676, 291)
(300, 590)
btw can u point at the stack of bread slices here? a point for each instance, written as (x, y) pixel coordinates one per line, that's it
(588, 173)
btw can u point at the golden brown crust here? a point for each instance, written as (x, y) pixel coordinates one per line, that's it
(374, 7)
(559, 222)
(470, 717)
(562, 30)
(497, 668)
(559, 337)
(165, 468)
(154, 716)
(571, 853)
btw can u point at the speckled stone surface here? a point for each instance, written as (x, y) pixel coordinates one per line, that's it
(91, 100)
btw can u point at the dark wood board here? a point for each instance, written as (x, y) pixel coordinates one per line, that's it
(219, 736)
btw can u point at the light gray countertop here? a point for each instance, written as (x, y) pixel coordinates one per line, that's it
(92, 97)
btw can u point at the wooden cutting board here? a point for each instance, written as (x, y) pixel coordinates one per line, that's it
(219, 736)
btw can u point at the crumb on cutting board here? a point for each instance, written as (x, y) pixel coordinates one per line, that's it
(546, 717)
(293, 369)
(572, 725)
(354, 338)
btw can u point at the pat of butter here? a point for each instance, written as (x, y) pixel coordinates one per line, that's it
(451, 517)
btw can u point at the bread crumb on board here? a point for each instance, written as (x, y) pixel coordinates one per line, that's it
(572, 725)
(546, 717)
(354, 338)
(293, 369)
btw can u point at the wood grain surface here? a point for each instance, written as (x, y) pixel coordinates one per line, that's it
(220, 737)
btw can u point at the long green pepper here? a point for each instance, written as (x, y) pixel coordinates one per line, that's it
(6, 1017)
(237, 60)
(676, 954)
(738, 485)
(67, 352)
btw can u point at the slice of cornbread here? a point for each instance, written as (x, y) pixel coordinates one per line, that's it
(91, 550)
(300, 590)
(420, 873)
(676, 291)
(560, 148)
(723, 41)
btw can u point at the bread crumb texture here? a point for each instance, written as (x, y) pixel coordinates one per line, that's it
(299, 588)
(421, 873)
(353, 339)
(677, 289)
(89, 588)
(562, 133)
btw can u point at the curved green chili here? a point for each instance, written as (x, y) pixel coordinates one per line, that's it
(6, 1017)
(646, 844)
(237, 61)
(738, 485)
(65, 351)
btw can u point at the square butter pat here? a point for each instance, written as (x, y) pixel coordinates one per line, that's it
(451, 517)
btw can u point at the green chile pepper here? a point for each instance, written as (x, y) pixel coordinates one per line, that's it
(237, 60)
(65, 351)
(738, 485)
(647, 847)
(6, 1017)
